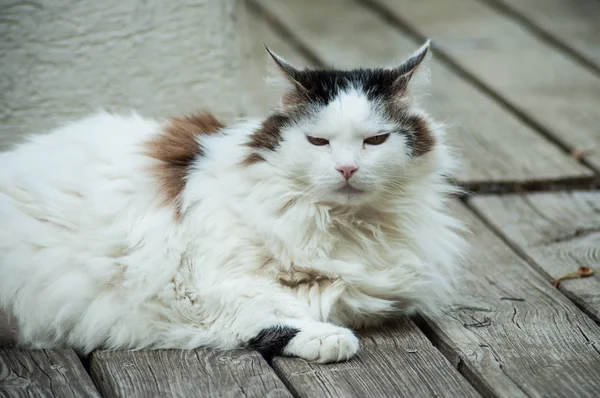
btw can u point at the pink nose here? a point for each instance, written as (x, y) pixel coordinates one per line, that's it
(346, 171)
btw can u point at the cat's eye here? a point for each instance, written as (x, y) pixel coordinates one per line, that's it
(377, 139)
(317, 141)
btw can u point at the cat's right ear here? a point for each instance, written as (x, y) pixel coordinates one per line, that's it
(290, 73)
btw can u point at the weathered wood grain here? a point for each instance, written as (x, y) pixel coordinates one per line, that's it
(539, 82)
(398, 361)
(559, 232)
(260, 96)
(494, 145)
(192, 373)
(43, 373)
(510, 332)
(570, 24)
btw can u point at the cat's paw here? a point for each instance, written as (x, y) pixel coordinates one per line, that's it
(323, 343)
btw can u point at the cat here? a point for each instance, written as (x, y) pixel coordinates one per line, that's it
(282, 234)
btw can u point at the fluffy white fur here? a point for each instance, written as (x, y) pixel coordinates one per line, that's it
(90, 256)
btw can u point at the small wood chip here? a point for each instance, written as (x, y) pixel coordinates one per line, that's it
(580, 154)
(412, 351)
(512, 298)
(582, 272)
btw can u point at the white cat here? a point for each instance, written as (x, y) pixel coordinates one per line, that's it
(277, 234)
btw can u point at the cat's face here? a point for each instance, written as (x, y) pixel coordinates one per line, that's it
(347, 137)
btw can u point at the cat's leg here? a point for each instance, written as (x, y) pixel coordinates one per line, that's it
(311, 340)
(257, 313)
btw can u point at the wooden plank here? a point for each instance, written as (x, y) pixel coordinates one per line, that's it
(544, 85)
(571, 24)
(398, 361)
(191, 373)
(495, 146)
(559, 232)
(43, 373)
(259, 96)
(511, 333)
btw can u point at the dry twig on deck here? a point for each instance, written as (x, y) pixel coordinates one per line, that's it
(582, 272)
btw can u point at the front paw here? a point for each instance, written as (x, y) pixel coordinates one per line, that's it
(323, 342)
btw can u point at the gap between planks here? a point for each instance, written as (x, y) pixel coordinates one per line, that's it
(530, 186)
(406, 27)
(543, 34)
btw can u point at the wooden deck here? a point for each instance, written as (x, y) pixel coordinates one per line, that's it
(518, 81)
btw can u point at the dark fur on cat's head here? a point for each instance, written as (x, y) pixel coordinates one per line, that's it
(345, 135)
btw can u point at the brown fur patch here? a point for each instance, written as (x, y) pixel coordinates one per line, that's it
(295, 277)
(287, 206)
(419, 135)
(291, 98)
(176, 147)
(252, 159)
(267, 137)
(423, 140)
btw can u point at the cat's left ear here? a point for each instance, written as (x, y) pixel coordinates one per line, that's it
(408, 68)
(292, 74)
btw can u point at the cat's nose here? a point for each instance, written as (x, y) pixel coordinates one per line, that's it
(347, 171)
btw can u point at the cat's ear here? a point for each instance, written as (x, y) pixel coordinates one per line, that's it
(407, 70)
(410, 66)
(291, 74)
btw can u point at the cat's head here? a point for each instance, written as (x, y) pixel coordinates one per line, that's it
(345, 137)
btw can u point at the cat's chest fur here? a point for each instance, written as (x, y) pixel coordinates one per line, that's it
(341, 268)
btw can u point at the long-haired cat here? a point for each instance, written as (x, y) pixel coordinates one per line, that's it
(278, 234)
